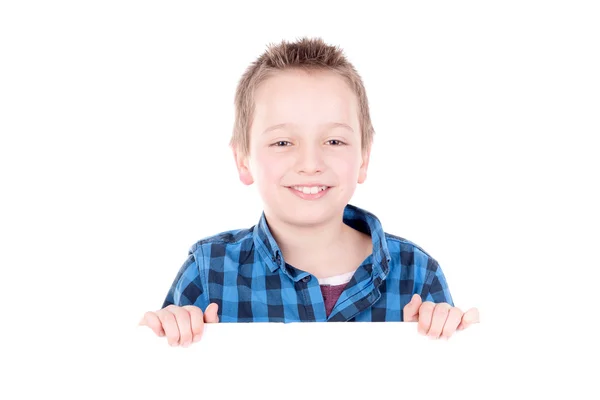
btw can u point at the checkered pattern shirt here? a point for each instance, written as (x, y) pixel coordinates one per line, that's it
(243, 271)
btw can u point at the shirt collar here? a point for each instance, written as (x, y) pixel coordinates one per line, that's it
(355, 217)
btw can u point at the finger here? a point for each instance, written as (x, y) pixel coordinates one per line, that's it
(411, 310)
(169, 325)
(425, 316)
(438, 320)
(469, 318)
(196, 321)
(210, 314)
(184, 325)
(152, 321)
(454, 317)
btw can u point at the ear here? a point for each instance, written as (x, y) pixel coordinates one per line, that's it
(362, 172)
(241, 162)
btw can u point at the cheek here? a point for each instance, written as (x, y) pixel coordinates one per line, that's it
(270, 169)
(347, 168)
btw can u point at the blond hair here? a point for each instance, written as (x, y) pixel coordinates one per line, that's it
(304, 54)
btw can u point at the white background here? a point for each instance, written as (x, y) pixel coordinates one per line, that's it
(114, 122)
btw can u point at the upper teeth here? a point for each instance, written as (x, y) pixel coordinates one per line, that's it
(310, 190)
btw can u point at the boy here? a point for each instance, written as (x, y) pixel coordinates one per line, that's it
(303, 133)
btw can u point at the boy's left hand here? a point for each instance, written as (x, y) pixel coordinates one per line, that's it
(438, 320)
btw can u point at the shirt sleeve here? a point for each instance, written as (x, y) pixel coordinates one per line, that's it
(436, 288)
(188, 287)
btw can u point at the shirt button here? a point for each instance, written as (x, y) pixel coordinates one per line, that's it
(306, 279)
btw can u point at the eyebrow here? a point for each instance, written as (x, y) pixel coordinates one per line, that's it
(328, 125)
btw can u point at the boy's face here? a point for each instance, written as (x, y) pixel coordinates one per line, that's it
(305, 137)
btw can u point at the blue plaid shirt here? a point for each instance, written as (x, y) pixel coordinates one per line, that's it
(243, 271)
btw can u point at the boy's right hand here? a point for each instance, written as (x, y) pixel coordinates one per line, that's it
(181, 325)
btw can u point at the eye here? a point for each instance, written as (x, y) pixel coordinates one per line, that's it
(281, 143)
(335, 142)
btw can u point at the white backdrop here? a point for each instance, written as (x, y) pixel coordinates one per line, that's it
(115, 118)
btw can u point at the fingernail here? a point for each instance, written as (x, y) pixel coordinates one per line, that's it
(197, 338)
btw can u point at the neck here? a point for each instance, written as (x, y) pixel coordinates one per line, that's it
(308, 246)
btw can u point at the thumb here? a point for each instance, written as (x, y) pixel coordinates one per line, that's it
(411, 310)
(210, 314)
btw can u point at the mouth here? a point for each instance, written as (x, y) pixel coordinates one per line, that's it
(312, 192)
(312, 189)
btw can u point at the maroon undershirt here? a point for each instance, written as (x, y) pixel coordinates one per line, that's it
(331, 294)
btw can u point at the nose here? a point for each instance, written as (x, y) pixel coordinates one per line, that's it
(310, 160)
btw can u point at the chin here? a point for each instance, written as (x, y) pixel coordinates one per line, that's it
(309, 214)
(301, 212)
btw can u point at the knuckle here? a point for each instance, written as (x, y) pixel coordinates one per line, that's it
(148, 318)
(164, 313)
(175, 309)
(456, 311)
(441, 310)
(167, 318)
(466, 317)
(456, 316)
(193, 311)
(183, 326)
(169, 326)
(181, 316)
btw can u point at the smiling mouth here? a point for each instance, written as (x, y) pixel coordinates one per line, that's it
(309, 189)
